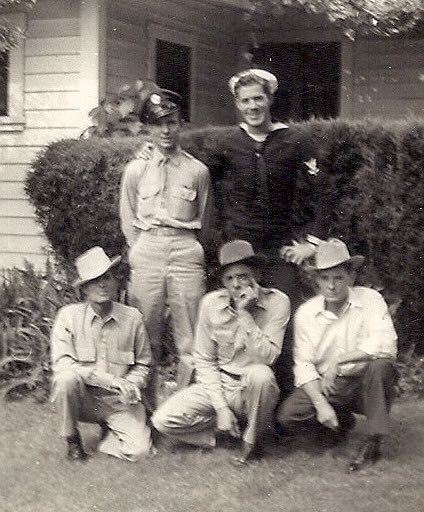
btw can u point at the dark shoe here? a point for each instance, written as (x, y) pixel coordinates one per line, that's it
(347, 423)
(369, 451)
(249, 452)
(75, 448)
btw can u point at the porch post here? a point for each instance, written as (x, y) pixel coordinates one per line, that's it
(93, 56)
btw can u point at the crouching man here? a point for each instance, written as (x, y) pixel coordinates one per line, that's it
(344, 350)
(239, 335)
(101, 358)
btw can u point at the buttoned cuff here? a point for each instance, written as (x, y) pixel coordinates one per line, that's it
(305, 374)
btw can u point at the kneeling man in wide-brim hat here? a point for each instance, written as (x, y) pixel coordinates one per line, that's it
(239, 335)
(101, 358)
(344, 349)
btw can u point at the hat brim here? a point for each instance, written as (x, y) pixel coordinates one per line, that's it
(256, 261)
(355, 261)
(79, 282)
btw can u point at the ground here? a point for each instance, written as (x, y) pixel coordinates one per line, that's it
(296, 476)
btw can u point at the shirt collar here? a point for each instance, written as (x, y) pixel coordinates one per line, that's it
(353, 301)
(175, 159)
(225, 298)
(112, 315)
(274, 127)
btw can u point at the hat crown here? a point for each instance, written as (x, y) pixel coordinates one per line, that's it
(331, 253)
(235, 251)
(92, 264)
(259, 73)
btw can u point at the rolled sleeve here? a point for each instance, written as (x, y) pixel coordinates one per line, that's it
(381, 338)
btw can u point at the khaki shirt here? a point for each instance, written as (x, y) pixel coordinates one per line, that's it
(225, 340)
(163, 191)
(100, 349)
(320, 335)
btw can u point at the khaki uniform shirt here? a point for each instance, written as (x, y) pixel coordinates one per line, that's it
(163, 191)
(100, 349)
(224, 340)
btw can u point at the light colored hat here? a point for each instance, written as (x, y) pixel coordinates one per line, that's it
(260, 73)
(239, 251)
(332, 253)
(92, 264)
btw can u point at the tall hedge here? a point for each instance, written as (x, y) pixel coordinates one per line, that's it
(374, 199)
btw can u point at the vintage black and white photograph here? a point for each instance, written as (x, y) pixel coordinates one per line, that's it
(211, 255)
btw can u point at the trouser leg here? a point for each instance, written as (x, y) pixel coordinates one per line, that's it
(187, 416)
(73, 401)
(260, 396)
(295, 410)
(129, 435)
(377, 394)
(186, 281)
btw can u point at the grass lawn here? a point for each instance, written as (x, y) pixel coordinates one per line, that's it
(294, 477)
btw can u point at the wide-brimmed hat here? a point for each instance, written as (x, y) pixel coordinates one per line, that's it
(92, 264)
(332, 253)
(257, 73)
(239, 251)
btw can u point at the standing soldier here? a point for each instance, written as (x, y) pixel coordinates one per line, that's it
(162, 207)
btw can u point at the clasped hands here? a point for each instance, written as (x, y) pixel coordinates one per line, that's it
(129, 393)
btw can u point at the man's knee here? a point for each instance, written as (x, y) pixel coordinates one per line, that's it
(260, 375)
(381, 368)
(295, 408)
(67, 382)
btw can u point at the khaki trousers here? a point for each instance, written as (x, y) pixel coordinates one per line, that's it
(129, 435)
(370, 394)
(190, 417)
(167, 268)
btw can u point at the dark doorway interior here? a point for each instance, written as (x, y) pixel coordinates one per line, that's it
(173, 71)
(309, 77)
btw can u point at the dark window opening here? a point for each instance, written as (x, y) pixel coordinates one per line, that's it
(308, 75)
(173, 71)
(4, 77)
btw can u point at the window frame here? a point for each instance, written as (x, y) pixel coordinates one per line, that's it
(15, 119)
(190, 40)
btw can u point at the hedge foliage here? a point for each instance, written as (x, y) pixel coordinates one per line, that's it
(374, 199)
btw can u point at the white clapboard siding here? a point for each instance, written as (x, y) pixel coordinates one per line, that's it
(52, 64)
(38, 136)
(52, 112)
(16, 208)
(28, 244)
(13, 172)
(18, 259)
(12, 190)
(52, 82)
(20, 226)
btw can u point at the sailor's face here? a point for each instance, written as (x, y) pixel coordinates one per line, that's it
(253, 104)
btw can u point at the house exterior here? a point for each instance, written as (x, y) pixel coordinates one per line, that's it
(78, 51)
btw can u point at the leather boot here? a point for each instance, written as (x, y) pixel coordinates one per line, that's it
(368, 451)
(75, 448)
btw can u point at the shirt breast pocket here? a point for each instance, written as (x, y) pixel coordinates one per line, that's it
(224, 339)
(146, 200)
(182, 203)
(121, 358)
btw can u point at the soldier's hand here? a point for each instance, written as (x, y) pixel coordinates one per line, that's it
(248, 297)
(328, 386)
(227, 422)
(326, 415)
(145, 152)
(298, 252)
(129, 393)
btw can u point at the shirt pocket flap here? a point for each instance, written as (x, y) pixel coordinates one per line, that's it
(189, 194)
(121, 357)
(146, 191)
